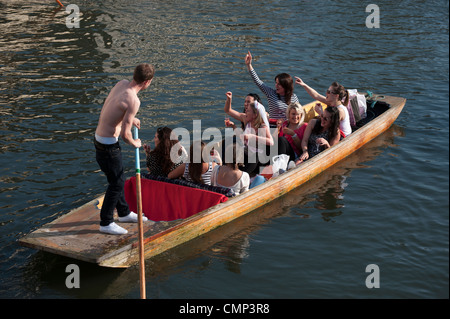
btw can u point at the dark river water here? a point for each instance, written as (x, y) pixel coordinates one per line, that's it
(385, 205)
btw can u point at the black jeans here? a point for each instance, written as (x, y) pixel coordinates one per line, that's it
(109, 158)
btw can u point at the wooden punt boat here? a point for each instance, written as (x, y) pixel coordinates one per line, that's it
(76, 234)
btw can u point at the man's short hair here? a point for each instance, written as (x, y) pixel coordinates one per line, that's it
(143, 72)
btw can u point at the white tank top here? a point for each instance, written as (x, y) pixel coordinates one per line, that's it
(344, 125)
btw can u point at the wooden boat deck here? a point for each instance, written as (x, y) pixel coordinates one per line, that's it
(76, 233)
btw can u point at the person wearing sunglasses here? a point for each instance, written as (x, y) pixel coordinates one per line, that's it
(336, 96)
(320, 134)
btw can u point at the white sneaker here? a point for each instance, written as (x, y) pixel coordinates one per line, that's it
(113, 229)
(131, 218)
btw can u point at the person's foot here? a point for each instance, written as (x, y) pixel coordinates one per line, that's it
(132, 217)
(113, 229)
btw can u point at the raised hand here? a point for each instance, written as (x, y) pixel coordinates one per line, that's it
(318, 108)
(248, 61)
(299, 81)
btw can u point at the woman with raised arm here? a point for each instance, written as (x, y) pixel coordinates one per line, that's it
(279, 97)
(256, 131)
(336, 96)
(250, 98)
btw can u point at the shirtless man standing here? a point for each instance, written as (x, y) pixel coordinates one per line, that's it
(117, 119)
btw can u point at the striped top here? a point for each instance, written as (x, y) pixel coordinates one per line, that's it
(277, 103)
(205, 176)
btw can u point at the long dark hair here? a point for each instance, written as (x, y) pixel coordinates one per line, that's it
(163, 148)
(195, 169)
(287, 83)
(342, 91)
(334, 123)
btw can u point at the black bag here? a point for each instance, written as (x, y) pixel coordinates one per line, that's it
(374, 108)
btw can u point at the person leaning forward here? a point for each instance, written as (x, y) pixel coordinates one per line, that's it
(117, 117)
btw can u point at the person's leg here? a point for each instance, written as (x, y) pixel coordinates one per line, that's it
(284, 147)
(109, 158)
(258, 180)
(122, 205)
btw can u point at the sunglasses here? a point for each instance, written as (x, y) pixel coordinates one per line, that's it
(329, 92)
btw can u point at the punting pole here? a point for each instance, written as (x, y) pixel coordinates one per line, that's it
(140, 222)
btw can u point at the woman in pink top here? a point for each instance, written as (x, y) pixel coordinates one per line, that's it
(291, 131)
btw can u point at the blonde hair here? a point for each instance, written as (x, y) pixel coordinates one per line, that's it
(258, 121)
(297, 107)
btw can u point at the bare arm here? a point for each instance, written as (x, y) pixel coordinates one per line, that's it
(177, 172)
(313, 93)
(266, 138)
(127, 124)
(229, 110)
(336, 139)
(304, 156)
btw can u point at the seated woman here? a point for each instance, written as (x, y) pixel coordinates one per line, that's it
(291, 131)
(250, 98)
(255, 120)
(196, 170)
(336, 96)
(229, 175)
(279, 97)
(320, 134)
(159, 162)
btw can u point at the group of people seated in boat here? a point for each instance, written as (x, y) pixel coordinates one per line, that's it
(297, 139)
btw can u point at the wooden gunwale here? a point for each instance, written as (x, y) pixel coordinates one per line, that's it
(124, 253)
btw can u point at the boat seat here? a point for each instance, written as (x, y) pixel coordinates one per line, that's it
(162, 201)
(228, 192)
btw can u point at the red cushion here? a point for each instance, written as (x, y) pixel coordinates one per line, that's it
(165, 202)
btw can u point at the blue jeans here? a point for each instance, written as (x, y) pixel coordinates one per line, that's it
(109, 158)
